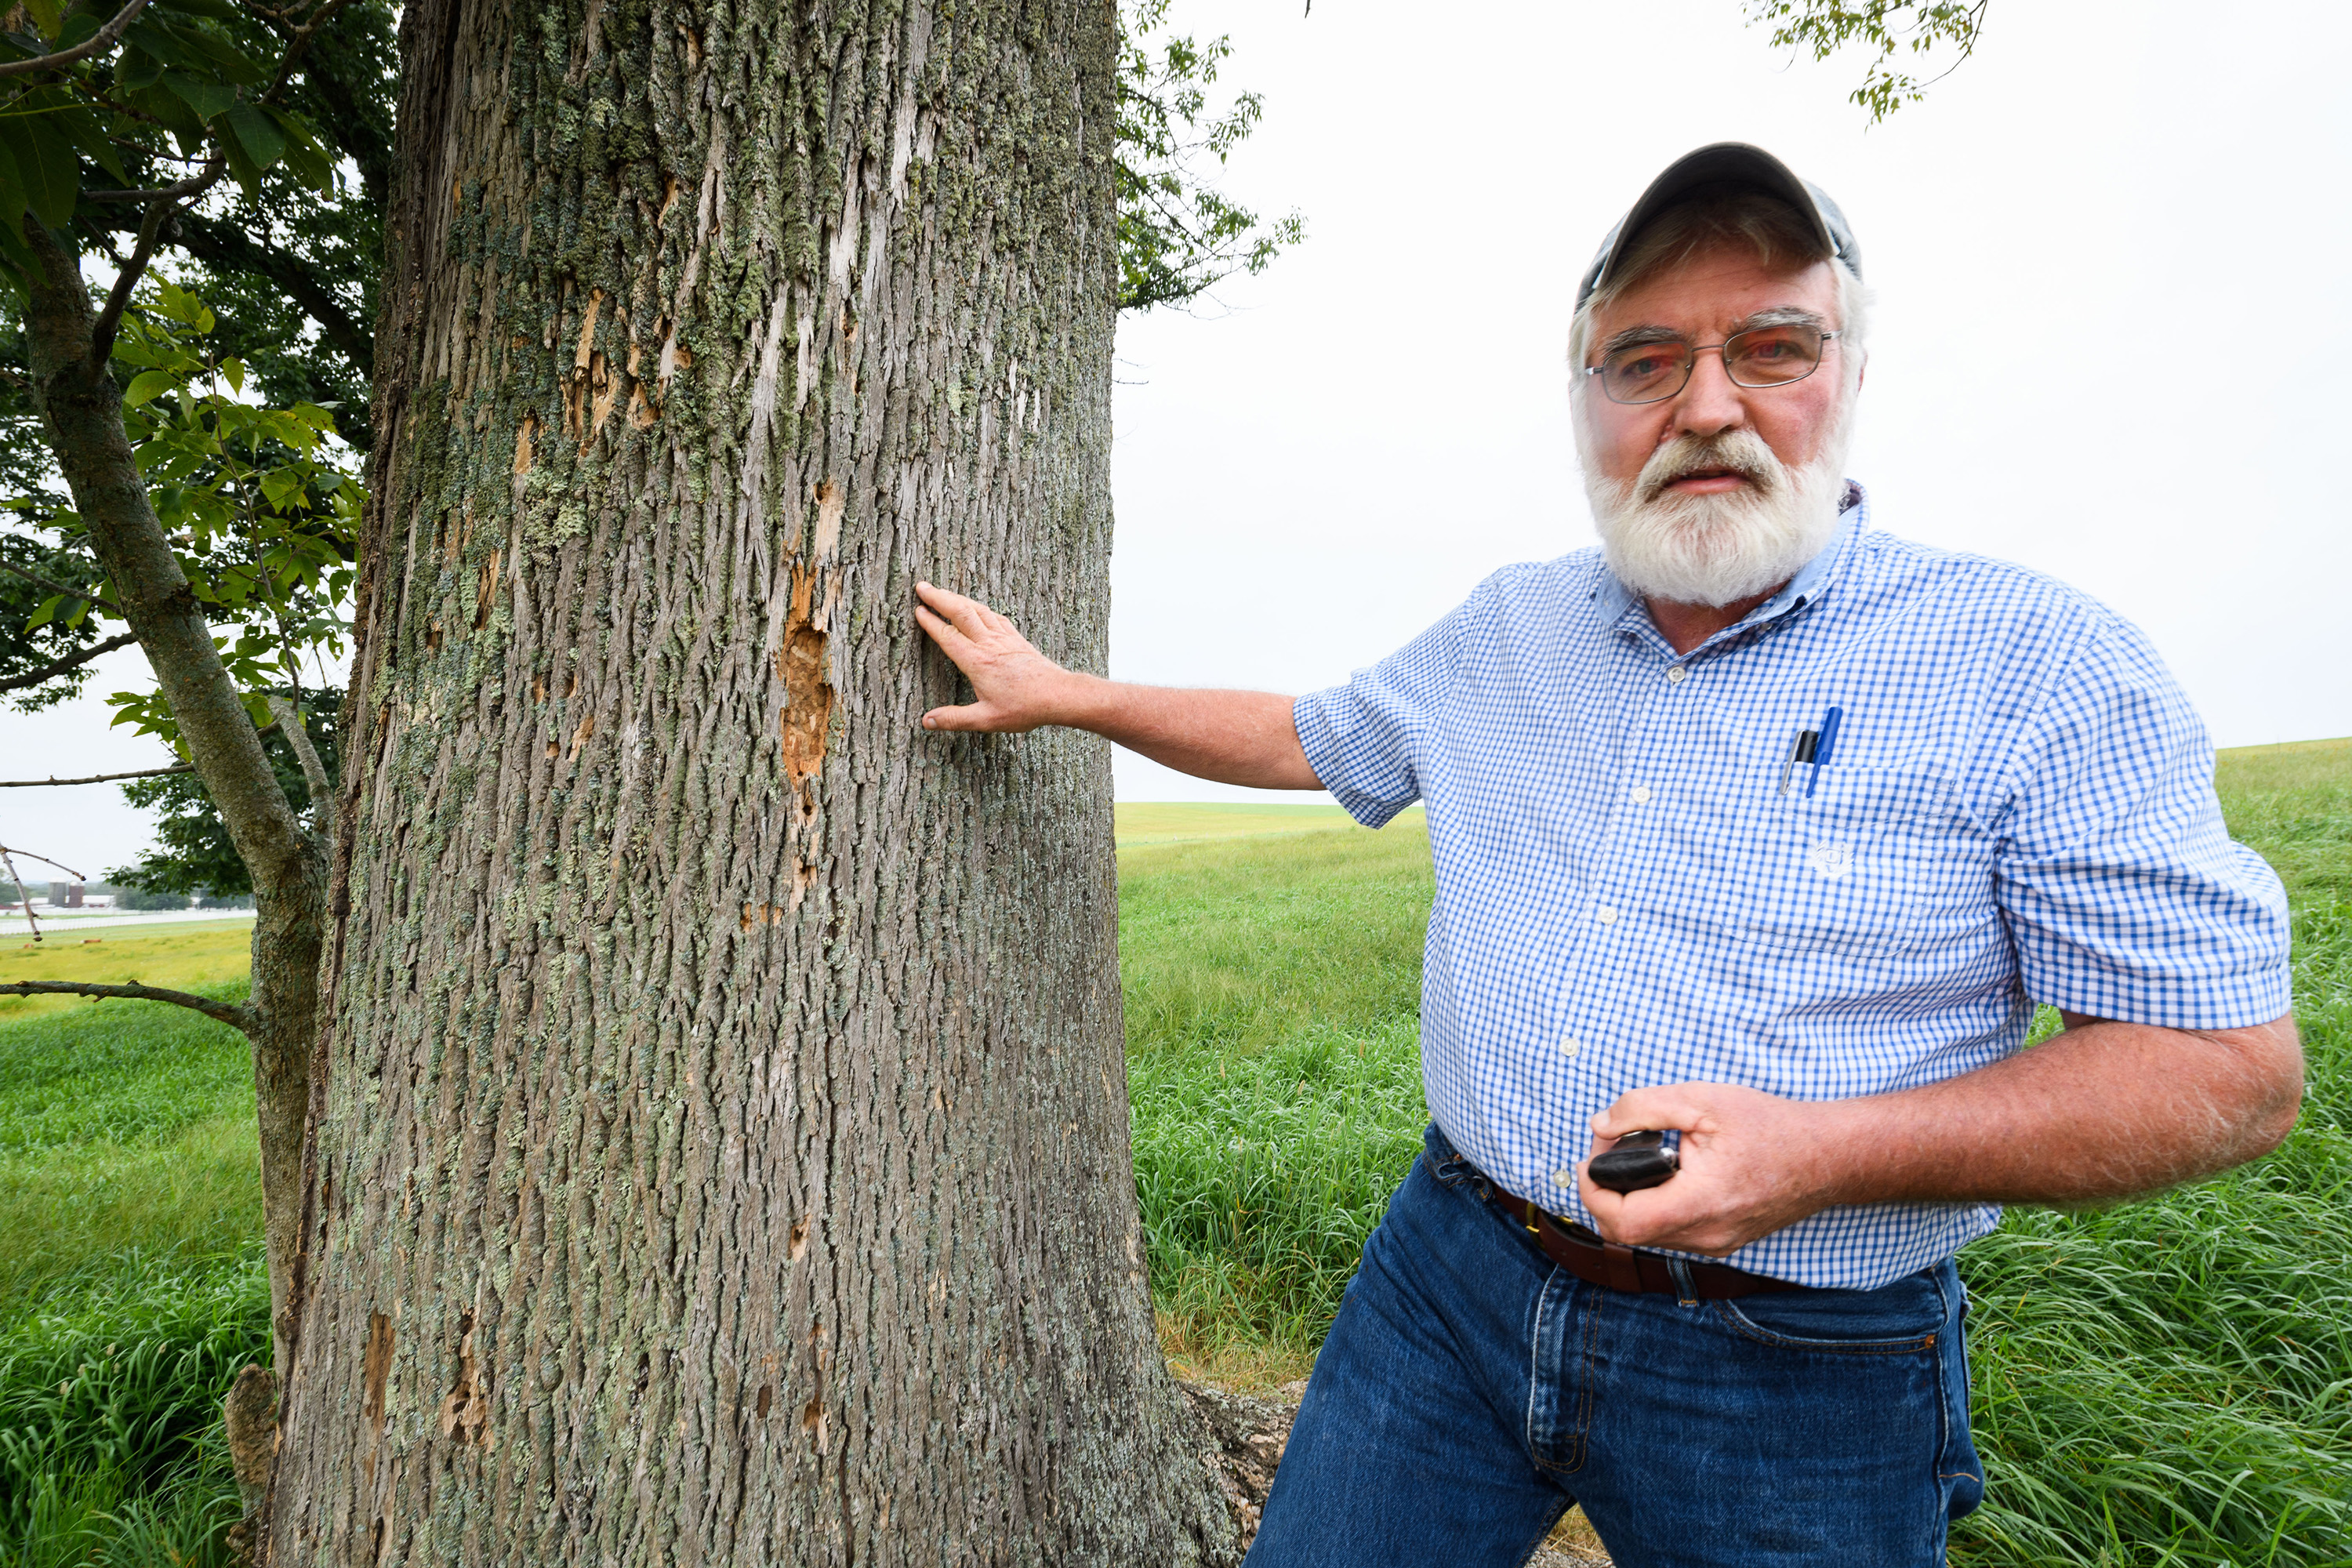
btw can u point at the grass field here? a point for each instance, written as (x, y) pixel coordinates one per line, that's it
(2168, 1381)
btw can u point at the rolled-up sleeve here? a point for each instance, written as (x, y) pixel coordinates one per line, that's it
(2123, 891)
(1365, 740)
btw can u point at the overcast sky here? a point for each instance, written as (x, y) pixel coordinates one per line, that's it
(2111, 340)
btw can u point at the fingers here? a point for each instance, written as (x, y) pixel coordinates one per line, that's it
(969, 616)
(971, 716)
(951, 638)
(1678, 1107)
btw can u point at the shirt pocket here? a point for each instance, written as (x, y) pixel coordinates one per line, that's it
(1857, 865)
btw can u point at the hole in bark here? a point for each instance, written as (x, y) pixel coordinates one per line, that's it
(767, 1397)
(464, 1413)
(799, 1242)
(808, 697)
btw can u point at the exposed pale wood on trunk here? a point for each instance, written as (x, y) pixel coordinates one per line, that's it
(721, 1151)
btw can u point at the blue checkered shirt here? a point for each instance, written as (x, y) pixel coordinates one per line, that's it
(2017, 808)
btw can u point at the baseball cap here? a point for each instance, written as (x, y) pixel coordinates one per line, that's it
(1726, 163)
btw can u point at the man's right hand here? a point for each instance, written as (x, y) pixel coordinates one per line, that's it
(1015, 688)
(1233, 737)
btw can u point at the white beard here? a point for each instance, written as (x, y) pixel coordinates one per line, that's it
(1717, 549)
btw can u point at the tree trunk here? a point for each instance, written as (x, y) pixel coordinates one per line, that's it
(82, 407)
(720, 1149)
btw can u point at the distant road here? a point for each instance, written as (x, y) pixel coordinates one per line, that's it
(65, 920)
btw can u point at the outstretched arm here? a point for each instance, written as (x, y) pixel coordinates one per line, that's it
(1232, 736)
(2100, 1112)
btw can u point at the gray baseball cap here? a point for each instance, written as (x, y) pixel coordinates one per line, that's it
(1734, 164)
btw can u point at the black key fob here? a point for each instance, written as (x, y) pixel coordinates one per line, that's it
(1640, 1159)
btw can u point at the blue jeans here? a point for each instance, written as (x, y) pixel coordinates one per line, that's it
(1470, 1390)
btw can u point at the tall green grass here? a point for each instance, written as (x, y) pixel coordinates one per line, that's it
(132, 1282)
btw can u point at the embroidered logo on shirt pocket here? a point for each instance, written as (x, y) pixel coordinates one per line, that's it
(1845, 869)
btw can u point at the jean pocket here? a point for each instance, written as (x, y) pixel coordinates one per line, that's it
(1893, 1320)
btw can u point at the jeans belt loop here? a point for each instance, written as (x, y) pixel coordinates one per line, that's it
(1624, 1270)
(1683, 1286)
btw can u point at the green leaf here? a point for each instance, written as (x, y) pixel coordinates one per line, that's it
(206, 98)
(149, 36)
(48, 16)
(199, 45)
(305, 159)
(263, 142)
(83, 128)
(46, 614)
(135, 70)
(179, 305)
(80, 29)
(51, 174)
(147, 386)
(12, 196)
(233, 370)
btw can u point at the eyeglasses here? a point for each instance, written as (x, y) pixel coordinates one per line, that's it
(1761, 356)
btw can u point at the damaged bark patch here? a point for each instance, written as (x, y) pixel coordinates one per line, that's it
(466, 1413)
(375, 1367)
(808, 695)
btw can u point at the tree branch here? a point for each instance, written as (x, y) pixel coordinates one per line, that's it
(299, 37)
(101, 336)
(235, 1014)
(233, 249)
(42, 859)
(71, 661)
(100, 600)
(100, 778)
(105, 38)
(314, 773)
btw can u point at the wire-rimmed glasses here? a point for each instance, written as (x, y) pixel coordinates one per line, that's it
(1760, 356)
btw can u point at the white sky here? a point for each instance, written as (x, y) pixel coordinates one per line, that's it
(2113, 339)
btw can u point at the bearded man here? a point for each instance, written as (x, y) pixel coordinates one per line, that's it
(1764, 830)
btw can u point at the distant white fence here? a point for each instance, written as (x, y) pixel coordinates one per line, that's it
(66, 923)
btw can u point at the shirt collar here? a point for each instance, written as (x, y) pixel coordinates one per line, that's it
(1614, 599)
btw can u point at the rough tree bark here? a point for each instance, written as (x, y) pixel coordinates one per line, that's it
(719, 1143)
(81, 404)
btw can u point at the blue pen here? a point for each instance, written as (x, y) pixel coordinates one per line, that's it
(1821, 750)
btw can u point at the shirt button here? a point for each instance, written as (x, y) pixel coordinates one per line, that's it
(1675, 673)
(1606, 914)
(1641, 795)
(1563, 1178)
(1570, 1048)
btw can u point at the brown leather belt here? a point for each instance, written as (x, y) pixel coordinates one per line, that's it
(1619, 1267)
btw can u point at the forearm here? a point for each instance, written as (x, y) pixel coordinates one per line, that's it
(2100, 1112)
(2097, 1113)
(1232, 736)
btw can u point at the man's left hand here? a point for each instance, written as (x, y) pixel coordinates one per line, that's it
(1752, 1163)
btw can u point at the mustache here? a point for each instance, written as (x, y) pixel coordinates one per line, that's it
(1741, 452)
